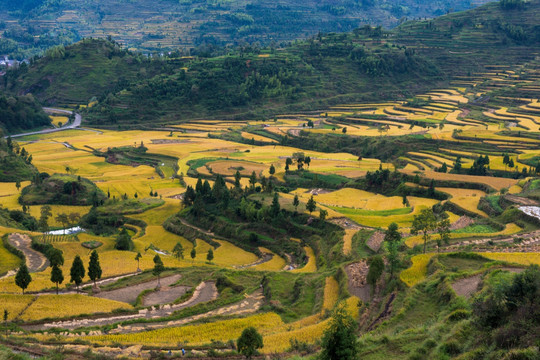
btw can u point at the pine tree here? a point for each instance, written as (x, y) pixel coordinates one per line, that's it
(23, 278)
(57, 276)
(275, 207)
(311, 205)
(210, 255)
(94, 268)
(193, 254)
(248, 342)
(77, 271)
(295, 203)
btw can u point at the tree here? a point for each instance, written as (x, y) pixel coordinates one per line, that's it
(63, 219)
(272, 170)
(339, 341)
(193, 254)
(18, 185)
(307, 160)
(392, 234)
(6, 314)
(424, 223)
(138, 258)
(23, 278)
(275, 207)
(94, 268)
(56, 257)
(248, 343)
(74, 218)
(311, 205)
(77, 271)
(237, 178)
(344, 130)
(322, 214)
(443, 229)
(376, 268)
(57, 276)
(178, 251)
(253, 179)
(123, 241)
(511, 163)
(392, 238)
(46, 213)
(210, 255)
(457, 164)
(158, 268)
(295, 203)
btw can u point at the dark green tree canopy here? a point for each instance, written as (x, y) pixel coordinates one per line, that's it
(249, 342)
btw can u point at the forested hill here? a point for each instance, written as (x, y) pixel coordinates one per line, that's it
(157, 25)
(364, 65)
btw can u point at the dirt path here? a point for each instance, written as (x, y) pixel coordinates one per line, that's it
(206, 291)
(250, 304)
(129, 294)
(165, 296)
(35, 260)
(266, 257)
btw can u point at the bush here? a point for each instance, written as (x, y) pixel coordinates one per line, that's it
(459, 314)
(451, 347)
(531, 353)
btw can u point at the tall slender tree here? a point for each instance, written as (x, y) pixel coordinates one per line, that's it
(77, 271)
(94, 268)
(57, 276)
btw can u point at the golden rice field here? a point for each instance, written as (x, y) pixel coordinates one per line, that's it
(331, 293)
(53, 306)
(311, 265)
(496, 183)
(58, 120)
(518, 258)
(510, 229)
(256, 137)
(229, 167)
(224, 330)
(417, 271)
(276, 264)
(347, 240)
(14, 304)
(468, 199)
(8, 261)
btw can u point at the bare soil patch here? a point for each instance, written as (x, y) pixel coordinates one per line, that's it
(357, 274)
(461, 223)
(129, 294)
(375, 241)
(166, 295)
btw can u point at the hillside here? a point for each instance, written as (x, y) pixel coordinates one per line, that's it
(365, 65)
(16, 163)
(34, 25)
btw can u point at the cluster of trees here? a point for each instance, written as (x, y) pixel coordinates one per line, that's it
(428, 222)
(508, 311)
(56, 259)
(15, 163)
(19, 113)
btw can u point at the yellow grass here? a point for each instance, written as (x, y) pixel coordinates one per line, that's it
(417, 271)
(54, 306)
(311, 265)
(14, 304)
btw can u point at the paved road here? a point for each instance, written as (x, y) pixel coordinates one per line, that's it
(73, 125)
